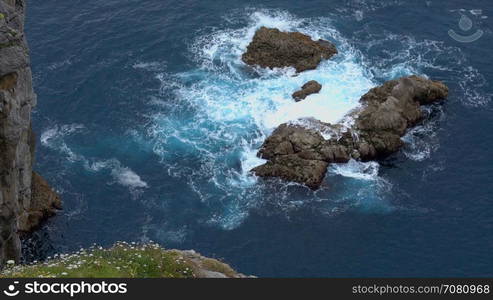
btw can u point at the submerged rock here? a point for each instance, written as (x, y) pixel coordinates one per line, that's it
(301, 154)
(272, 48)
(311, 87)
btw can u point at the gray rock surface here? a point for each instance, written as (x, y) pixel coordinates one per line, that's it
(299, 153)
(17, 98)
(272, 48)
(205, 267)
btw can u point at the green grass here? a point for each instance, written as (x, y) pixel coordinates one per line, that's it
(121, 261)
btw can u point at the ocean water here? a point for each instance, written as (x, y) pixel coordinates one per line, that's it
(148, 123)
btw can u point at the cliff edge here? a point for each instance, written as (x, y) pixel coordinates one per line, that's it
(125, 260)
(25, 198)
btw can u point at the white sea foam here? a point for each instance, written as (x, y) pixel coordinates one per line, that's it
(222, 111)
(54, 138)
(208, 123)
(60, 64)
(421, 141)
(222, 92)
(357, 170)
(212, 120)
(58, 132)
(149, 66)
(127, 177)
(401, 55)
(123, 175)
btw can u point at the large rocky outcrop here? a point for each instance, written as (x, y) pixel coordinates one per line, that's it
(301, 154)
(20, 207)
(272, 48)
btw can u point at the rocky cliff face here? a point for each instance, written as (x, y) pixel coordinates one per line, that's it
(25, 198)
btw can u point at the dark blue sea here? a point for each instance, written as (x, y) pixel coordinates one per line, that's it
(148, 123)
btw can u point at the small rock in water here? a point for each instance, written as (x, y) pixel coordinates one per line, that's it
(311, 87)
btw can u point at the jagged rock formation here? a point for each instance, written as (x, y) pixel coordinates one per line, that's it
(272, 48)
(301, 154)
(311, 87)
(20, 207)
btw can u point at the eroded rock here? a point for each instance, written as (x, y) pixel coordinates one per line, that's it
(299, 153)
(272, 48)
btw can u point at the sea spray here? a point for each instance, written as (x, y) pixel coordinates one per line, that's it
(54, 138)
(220, 113)
(207, 123)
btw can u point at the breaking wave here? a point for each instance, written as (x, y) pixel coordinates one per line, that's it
(213, 119)
(206, 124)
(54, 138)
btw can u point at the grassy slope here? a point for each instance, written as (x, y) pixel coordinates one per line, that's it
(123, 261)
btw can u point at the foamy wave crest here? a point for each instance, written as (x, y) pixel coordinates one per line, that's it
(54, 138)
(149, 66)
(358, 8)
(421, 141)
(234, 94)
(357, 170)
(123, 175)
(411, 56)
(213, 119)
